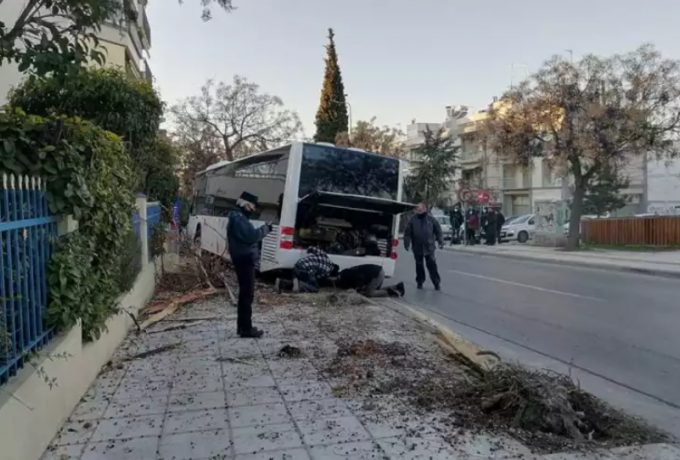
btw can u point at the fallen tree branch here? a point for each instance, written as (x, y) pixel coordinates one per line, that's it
(134, 319)
(175, 304)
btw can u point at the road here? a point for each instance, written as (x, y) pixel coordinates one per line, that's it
(616, 333)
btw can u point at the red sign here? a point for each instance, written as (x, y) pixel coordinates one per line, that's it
(483, 197)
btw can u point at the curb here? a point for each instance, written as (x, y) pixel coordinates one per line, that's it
(444, 336)
(660, 272)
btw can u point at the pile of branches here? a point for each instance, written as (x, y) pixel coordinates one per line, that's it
(534, 402)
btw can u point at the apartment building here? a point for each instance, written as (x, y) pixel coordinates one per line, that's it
(126, 41)
(513, 187)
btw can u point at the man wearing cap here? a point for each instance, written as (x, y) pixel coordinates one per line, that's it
(243, 239)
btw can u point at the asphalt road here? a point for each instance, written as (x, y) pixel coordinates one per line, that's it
(617, 334)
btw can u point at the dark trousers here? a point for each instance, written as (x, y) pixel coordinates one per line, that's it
(490, 237)
(245, 273)
(308, 282)
(429, 260)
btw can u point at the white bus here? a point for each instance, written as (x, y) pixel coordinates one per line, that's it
(343, 200)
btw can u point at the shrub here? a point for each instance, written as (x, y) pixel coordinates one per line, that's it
(88, 175)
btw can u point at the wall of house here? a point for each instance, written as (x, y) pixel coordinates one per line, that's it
(663, 186)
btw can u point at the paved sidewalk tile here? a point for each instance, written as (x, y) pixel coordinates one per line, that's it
(132, 449)
(253, 396)
(355, 450)
(417, 448)
(63, 452)
(300, 390)
(286, 454)
(319, 409)
(264, 414)
(196, 445)
(128, 428)
(75, 432)
(253, 440)
(137, 407)
(332, 430)
(195, 401)
(196, 420)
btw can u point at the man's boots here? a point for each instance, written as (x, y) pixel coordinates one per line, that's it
(253, 333)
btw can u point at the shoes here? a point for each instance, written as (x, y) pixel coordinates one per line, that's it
(400, 289)
(437, 287)
(253, 333)
(420, 285)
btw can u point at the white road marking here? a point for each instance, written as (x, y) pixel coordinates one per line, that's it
(528, 286)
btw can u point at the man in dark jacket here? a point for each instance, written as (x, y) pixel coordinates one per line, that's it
(491, 227)
(456, 219)
(422, 232)
(244, 240)
(500, 221)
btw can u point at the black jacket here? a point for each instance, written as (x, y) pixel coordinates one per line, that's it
(242, 236)
(422, 233)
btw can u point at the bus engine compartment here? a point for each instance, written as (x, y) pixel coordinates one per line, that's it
(344, 231)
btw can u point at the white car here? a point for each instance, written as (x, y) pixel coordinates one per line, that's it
(445, 224)
(519, 228)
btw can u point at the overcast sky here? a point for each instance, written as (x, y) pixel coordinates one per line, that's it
(401, 60)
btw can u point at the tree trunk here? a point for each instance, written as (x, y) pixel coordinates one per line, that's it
(227, 149)
(575, 217)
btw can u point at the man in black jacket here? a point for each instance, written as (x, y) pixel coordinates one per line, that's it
(422, 232)
(244, 239)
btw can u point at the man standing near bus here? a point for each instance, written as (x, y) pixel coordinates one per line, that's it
(244, 240)
(422, 232)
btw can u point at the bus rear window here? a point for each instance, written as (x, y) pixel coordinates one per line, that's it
(330, 169)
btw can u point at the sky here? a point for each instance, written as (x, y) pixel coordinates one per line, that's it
(401, 60)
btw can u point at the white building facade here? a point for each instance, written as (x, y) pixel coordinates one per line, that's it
(125, 42)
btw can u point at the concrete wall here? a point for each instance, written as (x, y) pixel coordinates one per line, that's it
(30, 412)
(663, 186)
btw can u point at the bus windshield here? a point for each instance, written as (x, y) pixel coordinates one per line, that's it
(331, 169)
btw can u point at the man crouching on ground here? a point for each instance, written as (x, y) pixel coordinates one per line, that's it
(243, 240)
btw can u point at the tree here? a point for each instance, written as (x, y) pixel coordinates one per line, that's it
(160, 167)
(604, 192)
(331, 118)
(56, 36)
(590, 117)
(112, 100)
(243, 118)
(373, 138)
(434, 167)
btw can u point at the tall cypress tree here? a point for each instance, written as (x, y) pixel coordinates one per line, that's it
(331, 118)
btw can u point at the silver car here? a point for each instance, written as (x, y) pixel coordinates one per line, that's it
(519, 228)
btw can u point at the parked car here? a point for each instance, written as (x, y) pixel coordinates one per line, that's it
(519, 228)
(445, 224)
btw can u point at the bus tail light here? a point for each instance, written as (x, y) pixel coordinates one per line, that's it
(395, 245)
(286, 241)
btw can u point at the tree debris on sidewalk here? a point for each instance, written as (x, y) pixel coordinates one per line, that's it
(545, 411)
(289, 351)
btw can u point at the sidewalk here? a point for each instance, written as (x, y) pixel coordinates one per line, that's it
(328, 395)
(661, 263)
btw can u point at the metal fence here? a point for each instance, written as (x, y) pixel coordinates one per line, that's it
(153, 217)
(633, 231)
(27, 230)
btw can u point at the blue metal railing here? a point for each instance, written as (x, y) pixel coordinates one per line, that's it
(153, 218)
(27, 230)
